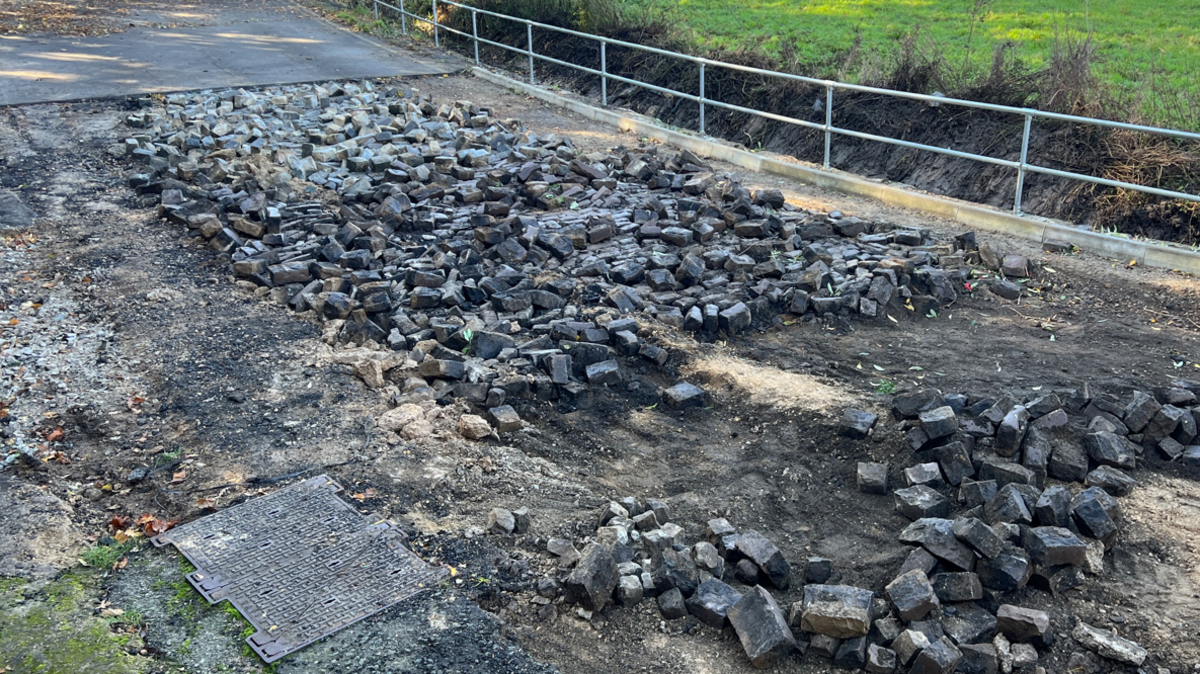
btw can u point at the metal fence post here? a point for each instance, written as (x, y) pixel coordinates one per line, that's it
(701, 99)
(436, 40)
(475, 33)
(376, 4)
(1024, 161)
(403, 19)
(604, 73)
(828, 121)
(529, 41)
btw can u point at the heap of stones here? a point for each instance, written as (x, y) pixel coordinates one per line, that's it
(1012, 493)
(499, 263)
(638, 553)
(728, 581)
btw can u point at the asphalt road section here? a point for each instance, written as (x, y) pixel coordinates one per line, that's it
(271, 43)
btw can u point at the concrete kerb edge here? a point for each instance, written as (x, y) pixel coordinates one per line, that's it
(975, 215)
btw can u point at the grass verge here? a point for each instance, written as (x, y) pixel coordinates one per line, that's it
(1132, 38)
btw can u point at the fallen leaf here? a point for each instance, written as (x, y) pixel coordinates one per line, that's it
(178, 477)
(206, 503)
(111, 612)
(119, 522)
(56, 435)
(122, 564)
(156, 526)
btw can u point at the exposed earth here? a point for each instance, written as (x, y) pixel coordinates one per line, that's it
(138, 344)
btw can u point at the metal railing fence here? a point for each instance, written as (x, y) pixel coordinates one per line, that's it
(1022, 166)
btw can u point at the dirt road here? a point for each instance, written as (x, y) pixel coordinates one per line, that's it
(138, 344)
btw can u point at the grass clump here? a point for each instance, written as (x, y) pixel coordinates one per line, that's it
(106, 556)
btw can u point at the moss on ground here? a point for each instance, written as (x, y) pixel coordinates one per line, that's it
(58, 627)
(55, 629)
(181, 625)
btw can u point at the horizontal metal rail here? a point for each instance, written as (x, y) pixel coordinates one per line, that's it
(1028, 114)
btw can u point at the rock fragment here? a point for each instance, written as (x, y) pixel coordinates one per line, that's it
(501, 521)
(856, 424)
(1108, 644)
(872, 478)
(912, 595)
(711, 602)
(767, 556)
(761, 627)
(474, 427)
(840, 611)
(594, 578)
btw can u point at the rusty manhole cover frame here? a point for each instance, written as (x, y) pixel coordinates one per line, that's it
(299, 564)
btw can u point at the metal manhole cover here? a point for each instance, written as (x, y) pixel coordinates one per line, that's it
(299, 564)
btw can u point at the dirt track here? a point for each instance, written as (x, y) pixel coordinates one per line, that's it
(239, 389)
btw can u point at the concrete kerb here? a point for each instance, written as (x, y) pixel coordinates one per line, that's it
(975, 215)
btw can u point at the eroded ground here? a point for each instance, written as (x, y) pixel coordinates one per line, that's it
(150, 356)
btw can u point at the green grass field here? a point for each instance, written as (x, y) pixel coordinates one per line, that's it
(1133, 37)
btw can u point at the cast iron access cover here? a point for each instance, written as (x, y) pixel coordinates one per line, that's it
(299, 564)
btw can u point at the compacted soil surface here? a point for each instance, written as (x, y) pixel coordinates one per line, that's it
(127, 346)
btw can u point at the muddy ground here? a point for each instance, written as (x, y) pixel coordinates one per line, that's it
(148, 355)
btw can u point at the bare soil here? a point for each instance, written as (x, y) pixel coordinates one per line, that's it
(233, 389)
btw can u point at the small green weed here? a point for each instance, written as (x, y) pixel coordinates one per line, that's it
(105, 556)
(167, 457)
(885, 388)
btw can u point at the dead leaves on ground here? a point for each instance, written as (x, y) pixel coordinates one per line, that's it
(20, 17)
(153, 526)
(125, 527)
